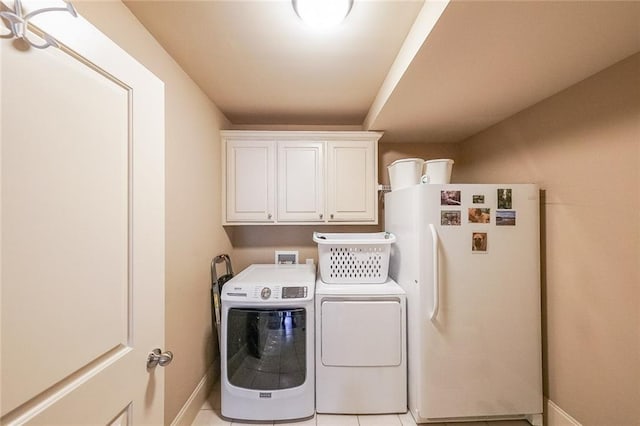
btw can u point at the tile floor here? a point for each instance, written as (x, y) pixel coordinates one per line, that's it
(209, 415)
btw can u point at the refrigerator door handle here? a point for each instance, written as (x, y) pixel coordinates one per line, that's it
(436, 275)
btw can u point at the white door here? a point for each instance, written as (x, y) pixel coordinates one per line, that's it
(82, 231)
(250, 180)
(351, 181)
(300, 181)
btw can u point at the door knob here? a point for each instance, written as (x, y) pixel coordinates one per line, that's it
(157, 357)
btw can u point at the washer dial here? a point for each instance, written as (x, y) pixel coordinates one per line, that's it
(265, 293)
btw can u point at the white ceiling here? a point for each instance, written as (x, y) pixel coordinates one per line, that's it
(388, 67)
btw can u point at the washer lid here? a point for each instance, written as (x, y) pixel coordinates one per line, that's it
(299, 274)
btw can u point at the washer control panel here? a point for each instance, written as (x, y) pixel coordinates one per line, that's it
(269, 292)
(272, 284)
(299, 292)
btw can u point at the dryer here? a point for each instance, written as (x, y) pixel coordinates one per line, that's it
(361, 355)
(267, 356)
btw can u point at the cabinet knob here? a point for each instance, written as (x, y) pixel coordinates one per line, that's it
(321, 215)
(331, 215)
(269, 216)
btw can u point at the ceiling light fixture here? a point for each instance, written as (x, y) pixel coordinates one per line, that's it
(322, 14)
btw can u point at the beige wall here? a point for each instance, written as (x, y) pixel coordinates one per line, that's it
(591, 292)
(193, 232)
(257, 244)
(583, 147)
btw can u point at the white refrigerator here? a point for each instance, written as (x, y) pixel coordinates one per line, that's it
(468, 258)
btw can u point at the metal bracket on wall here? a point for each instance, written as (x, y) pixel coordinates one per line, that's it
(383, 189)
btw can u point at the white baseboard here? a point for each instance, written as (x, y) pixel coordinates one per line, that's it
(191, 407)
(556, 416)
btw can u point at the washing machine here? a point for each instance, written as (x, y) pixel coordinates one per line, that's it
(267, 356)
(361, 355)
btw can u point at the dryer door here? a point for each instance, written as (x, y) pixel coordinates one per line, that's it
(362, 333)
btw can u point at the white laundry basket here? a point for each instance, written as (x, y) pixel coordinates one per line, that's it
(405, 172)
(437, 171)
(354, 258)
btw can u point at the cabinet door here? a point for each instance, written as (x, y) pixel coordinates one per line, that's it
(250, 181)
(351, 181)
(300, 181)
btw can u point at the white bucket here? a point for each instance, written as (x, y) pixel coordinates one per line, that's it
(405, 172)
(437, 171)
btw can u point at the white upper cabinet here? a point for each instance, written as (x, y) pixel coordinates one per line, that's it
(300, 181)
(299, 177)
(250, 181)
(352, 181)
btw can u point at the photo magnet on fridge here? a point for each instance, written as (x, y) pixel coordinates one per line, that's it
(505, 218)
(478, 199)
(479, 215)
(504, 198)
(450, 218)
(479, 242)
(450, 198)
